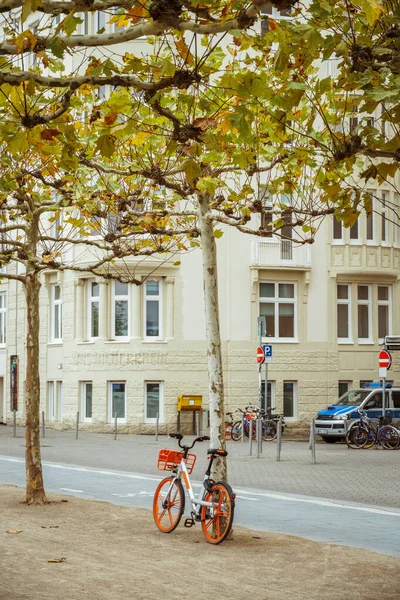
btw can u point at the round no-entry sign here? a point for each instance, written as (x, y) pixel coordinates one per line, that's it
(385, 360)
(260, 355)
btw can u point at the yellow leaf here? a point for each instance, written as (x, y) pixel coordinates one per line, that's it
(272, 25)
(184, 52)
(57, 560)
(14, 531)
(140, 138)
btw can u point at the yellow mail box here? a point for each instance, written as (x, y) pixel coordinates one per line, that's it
(188, 402)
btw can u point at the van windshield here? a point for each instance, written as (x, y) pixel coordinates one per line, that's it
(353, 398)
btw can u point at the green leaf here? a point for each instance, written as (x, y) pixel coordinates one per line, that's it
(218, 233)
(192, 169)
(106, 145)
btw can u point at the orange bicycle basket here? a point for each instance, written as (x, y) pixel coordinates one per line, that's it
(169, 459)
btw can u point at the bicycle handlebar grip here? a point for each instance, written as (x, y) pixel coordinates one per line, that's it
(176, 436)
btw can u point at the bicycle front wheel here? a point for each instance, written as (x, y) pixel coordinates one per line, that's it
(216, 520)
(236, 431)
(269, 431)
(168, 504)
(357, 437)
(389, 437)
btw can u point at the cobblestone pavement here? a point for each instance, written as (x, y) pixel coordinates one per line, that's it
(366, 476)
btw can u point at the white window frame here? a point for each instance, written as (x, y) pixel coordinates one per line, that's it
(161, 403)
(111, 417)
(3, 319)
(272, 383)
(92, 300)
(56, 306)
(347, 301)
(368, 303)
(56, 226)
(116, 298)
(358, 240)
(387, 303)
(396, 219)
(153, 298)
(83, 387)
(384, 218)
(295, 400)
(276, 300)
(51, 404)
(100, 15)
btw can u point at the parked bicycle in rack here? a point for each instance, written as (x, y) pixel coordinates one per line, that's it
(365, 434)
(250, 416)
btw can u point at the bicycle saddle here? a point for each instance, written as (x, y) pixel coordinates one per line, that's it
(217, 451)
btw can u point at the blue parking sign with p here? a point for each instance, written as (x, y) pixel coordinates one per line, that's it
(267, 350)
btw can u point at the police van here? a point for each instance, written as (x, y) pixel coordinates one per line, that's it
(333, 422)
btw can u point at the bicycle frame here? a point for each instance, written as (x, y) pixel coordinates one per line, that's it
(182, 473)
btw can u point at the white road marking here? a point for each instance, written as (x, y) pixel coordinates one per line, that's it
(317, 501)
(70, 490)
(247, 498)
(273, 495)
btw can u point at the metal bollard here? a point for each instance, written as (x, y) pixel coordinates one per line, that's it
(197, 424)
(279, 440)
(242, 427)
(77, 425)
(258, 437)
(14, 423)
(115, 426)
(157, 418)
(43, 425)
(251, 437)
(312, 442)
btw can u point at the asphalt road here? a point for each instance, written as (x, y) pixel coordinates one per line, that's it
(334, 521)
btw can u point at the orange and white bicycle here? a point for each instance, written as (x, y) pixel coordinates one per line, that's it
(215, 505)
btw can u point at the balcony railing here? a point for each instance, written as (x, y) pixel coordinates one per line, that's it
(279, 253)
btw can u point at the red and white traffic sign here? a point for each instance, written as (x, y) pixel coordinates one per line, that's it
(385, 360)
(260, 355)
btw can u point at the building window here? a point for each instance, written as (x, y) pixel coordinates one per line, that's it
(354, 233)
(364, 313)
(343, 313)
(343, 387)
(384, 218)
(117, 393)
(273, 13)
(121, 310)
(59, 385)
(51, 408)
(57, 226)
(94, 309)
(337, 230)
(278, 305)
(87, 400)
(56, 314)
(384, 310)
(3, 318)
(290, 400)
(153, 297)
(153, 401)
(370, 222)
(270, 395)
(101, 21)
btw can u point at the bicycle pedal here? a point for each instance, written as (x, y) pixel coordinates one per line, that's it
(189, 522)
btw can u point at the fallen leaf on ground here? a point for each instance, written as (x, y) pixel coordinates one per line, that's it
(57, 560)
(15, 531)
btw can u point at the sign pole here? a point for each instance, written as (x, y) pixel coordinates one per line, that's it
(266, 388)
(383, 396)
(260, 332)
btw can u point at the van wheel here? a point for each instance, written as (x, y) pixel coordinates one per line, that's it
(329, 440)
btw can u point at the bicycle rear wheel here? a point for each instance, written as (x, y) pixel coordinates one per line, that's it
(269, 430)
(236, 431)
(168, 508)
(357, 437)
(216, 520)
(389, 437)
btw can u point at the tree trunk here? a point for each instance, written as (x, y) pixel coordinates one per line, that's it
(35, 493)
(214, 356)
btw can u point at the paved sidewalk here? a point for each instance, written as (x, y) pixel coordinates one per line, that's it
(362, 476)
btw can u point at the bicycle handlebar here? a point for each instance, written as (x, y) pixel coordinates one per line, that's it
(178, 436)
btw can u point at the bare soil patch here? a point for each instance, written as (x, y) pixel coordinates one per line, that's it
(114, 552)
